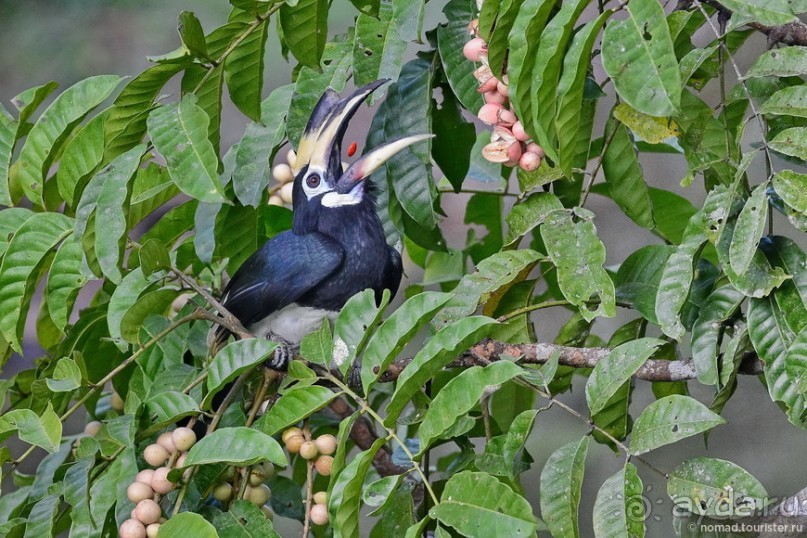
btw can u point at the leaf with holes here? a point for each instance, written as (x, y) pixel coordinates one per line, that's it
(749, 229)
(669, 420)
(768, 12)
(378, 48)
(529, 213)
(720, 306)
(637, 53)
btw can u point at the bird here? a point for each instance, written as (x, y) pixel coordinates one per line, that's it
(336, 246)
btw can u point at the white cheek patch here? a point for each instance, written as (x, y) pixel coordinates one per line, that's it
(334, 199)
(322, 188)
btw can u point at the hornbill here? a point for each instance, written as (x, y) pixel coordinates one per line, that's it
(336, 246)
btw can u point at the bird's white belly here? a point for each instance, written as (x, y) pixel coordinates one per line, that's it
(291, 322)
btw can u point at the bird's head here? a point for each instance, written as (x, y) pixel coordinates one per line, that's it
(320, 184)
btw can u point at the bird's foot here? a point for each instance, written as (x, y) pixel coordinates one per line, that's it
(284, 354)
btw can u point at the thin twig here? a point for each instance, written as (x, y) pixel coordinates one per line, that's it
(309, 484)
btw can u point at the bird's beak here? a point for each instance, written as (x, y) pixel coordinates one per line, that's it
(322, 137)
(371, 161)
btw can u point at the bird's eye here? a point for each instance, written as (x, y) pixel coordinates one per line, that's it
(313, 181)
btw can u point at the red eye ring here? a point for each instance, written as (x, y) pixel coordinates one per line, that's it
(313, 181)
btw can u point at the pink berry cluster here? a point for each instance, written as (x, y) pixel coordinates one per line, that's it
(169, 450)
(510, 144)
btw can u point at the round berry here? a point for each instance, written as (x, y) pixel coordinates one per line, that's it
(495, 97)
(308, 450)
(532, 147)
(489, 113)
(323, 465)
(132, 528)
(152, 530)
(321, 497)
(267, 511)
(294, 443)
(276, 200)
(529, 161)
(519, 132)
(258, 495)
(165, 441)
(145, 476)
(256, 476)
(183, 438)
(148, 511)
(291, 157)
(268, 468)
(160, 482)
(223, 492)
(282, 173)
(319, 514)
(155, 455)
(291, 432)
(285, 192)
(326, 444)
(116, 402)
(138, 491)
(474, 49)
(92, 427)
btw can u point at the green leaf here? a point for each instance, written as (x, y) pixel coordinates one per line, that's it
(43, 431)
(293, 406)
(450, 40)
(110, 205)
(572, 244)
(620, 165)
(125, 123)
(312, 82)
(344, 499)
(65, 280)
(672, 213)
(637, 53)
(66, 376)
(179, 132)
(792, 187)
(41, 519)
(26, 255)
(561, 484)
(305, 29)
(501, 458)
(619, 507)
(570, 91)
(123, 298)
(789, 101)
(749, 229)
(409, 171)
(651, 129)
(187, 524)
(48, 135)
(253, 158)
(435, 354)
(497, 41)
(81, 158)
(616, 368)
(784, 62)
(493, 277)
(546, 75)
(237, 446)
(459, 396)
(669, 420)
(676, 279)
(378, 48)
(77, 493)
(29, 100)
(317, 346)
(192, 35)
(713, 487)
(792, 141)
(409, 14)
(396, 331)
(524, 44)
(637, 281)
(719, 307)
(8, 132)
(156, 302)
(154, 257)
(170, 406)
(236, 358)
(769, 12)
(759, 279)
(243, 520)
(478, 505)
(528, 214)
(454, 139)
(357, 319)
(243, 73)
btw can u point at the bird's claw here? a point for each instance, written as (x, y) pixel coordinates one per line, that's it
(282, 356)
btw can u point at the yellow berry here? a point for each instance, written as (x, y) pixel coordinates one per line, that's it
(323, 465)
(165, 441)
(183, 438)
(116, 402)
(223, 492)
(155, 454)
(326, 444)
(152, 530)
(92, 427)
(294, 443)
(290, 432)
(321, 497)
(160, 482)
(138, 491)
(308, 450)
(148, 511)
(258, 495)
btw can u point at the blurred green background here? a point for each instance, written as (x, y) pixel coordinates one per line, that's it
(67, 40)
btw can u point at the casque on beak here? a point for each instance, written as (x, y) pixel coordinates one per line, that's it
(320, 144)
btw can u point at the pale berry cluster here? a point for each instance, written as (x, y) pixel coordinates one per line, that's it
(169, 450)
(509, 144)
(281, 193)
(319, 450)
(256, 491)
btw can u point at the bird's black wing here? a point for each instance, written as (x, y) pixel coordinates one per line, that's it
(283, 270)
(394, 272)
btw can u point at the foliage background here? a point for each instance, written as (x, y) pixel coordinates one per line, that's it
(68, 40)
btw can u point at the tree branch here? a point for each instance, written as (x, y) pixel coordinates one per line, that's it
(792, 33)
(489, 351)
